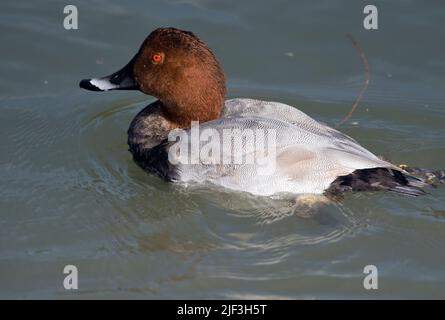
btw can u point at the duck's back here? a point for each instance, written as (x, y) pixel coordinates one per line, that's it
(305, 156)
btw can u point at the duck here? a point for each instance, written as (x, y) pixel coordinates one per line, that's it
(183, 74)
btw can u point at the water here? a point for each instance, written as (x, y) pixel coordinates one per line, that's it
(70, 193)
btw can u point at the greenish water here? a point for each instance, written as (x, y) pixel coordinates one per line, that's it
(70, 193)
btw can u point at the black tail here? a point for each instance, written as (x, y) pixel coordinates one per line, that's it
(410, 182)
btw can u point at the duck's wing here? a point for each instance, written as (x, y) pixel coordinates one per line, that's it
(266, 109)
(306, 157)
(235, 108)
(318, 133)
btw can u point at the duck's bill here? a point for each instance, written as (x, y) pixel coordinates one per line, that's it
(120, 80)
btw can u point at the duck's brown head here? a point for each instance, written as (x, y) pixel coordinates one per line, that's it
(179, 69)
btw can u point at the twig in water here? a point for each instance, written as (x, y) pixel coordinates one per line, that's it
(365, 84)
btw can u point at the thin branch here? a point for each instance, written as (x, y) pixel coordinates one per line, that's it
(365, 84)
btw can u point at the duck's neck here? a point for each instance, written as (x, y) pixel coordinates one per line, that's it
(202, 107)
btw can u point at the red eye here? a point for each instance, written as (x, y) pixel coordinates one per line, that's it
(156, 58)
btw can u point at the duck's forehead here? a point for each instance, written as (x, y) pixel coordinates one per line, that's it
(171, 38)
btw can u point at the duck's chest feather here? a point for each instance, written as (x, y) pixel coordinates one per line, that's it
(147, 141)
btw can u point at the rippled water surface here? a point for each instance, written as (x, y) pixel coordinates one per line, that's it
(71, 194)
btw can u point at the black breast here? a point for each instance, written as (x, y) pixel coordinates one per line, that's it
(155, 160)
(147, 141)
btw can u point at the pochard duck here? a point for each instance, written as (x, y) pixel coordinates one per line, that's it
(180, 70)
